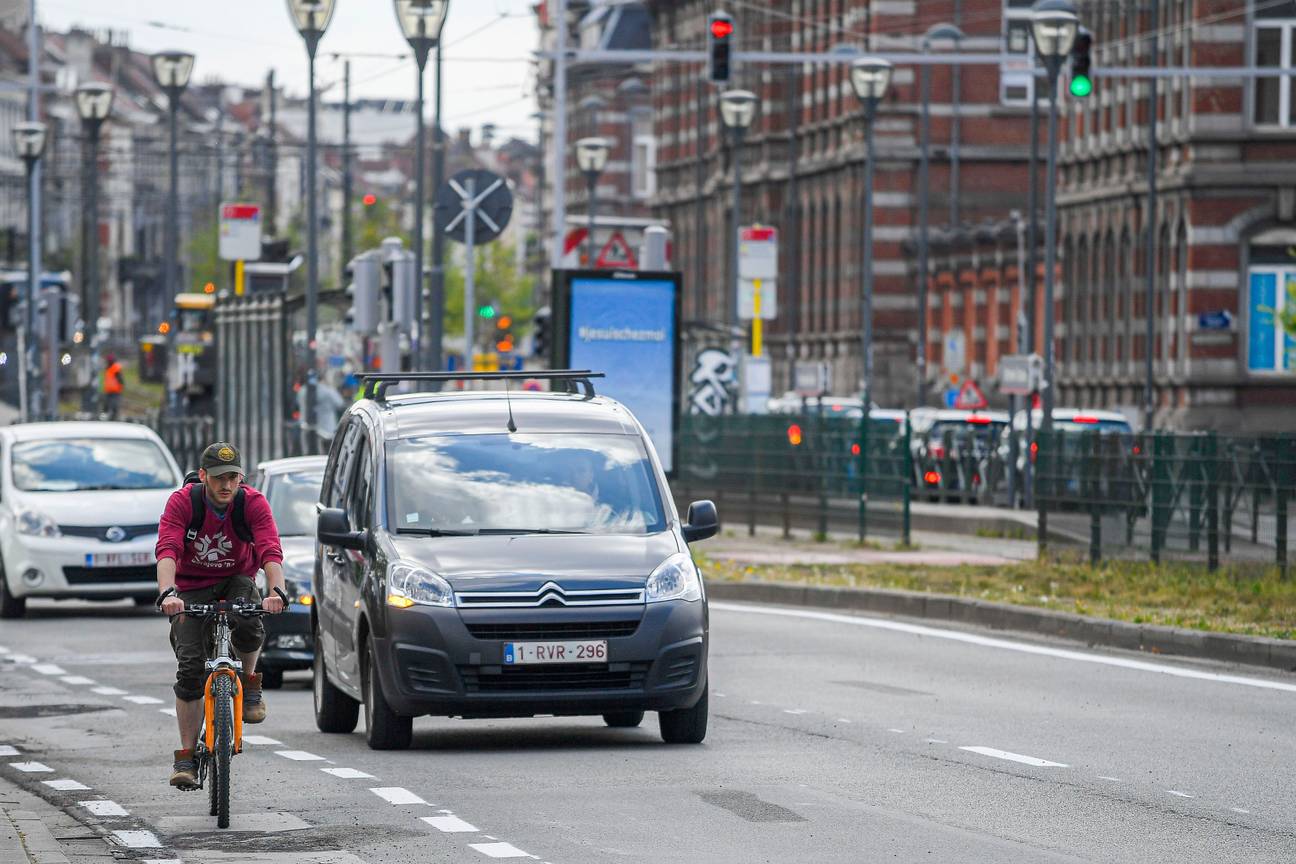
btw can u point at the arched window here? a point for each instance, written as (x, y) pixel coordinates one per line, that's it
(1271, 291)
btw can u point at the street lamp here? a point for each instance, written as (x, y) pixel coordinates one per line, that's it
(421, 22)
(311, 17)
(29, 142)
(935, 32)
(591, 159)
(737, 111)
(171, 71)
(94, 103)
(870, 77)
(1054, 26)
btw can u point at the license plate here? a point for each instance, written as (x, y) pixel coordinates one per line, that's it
(120, 559)
(519, 653)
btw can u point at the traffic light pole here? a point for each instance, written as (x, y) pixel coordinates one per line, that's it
(1149, 297)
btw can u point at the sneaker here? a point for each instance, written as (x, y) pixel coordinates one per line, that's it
(184, 773)
(254, 709)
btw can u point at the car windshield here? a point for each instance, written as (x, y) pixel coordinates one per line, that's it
(524, 483)
(83, 464)
(292, 500)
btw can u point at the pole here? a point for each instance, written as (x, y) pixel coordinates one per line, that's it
(1149, 395)
(31, 355)
(272, 157)
(470, 271)
(699, 204)
(348, 177)
(591, 184)
(1032, 282)
(924, 187)
(560, 133)
(870, 112)
(171, 239)
(436, 307)
(793, 210)
(92, 249)
(1050, 250)
(312, 249)
(731, 307)
(420, 204)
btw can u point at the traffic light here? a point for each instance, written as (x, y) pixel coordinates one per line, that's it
(540, 324)
(720, 29)
(1081, 83)
(486, 311)
(370, 200)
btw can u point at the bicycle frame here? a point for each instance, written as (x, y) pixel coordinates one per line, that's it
(222, 663)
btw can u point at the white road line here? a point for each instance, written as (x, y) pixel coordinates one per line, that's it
(1112, 779)
(8, 750)
(108, 691)
(138, 839)
(1240, 810)
(755, 702)
(723, 695)
(300, 756)
(1178, 794)
(67, 785)
(842, 720)
(937, 741)
(1014, 757)
(104, 808)
(262, 741)
(794, 711)
(32, 767)
(1007, 645)
(397, 795)
(346, 773)
(171, 712)
(49, 669)
(499, 850)
(897, 731)
(450, 824)
(79, 680)
(22, 658)
(142, 700)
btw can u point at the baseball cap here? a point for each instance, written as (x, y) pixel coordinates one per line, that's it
(221, 458)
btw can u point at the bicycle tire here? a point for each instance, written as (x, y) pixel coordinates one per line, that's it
(224, 741)
(208, 767)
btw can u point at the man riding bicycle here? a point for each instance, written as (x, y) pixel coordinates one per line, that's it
(212, 539)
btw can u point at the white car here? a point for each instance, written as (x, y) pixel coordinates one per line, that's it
(79, 510)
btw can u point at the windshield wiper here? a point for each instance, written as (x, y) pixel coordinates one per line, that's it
(529, 531)
(439, 532)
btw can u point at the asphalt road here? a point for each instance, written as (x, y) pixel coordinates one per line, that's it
(833, 739)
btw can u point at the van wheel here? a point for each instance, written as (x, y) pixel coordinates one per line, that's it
(384, 728)
(10, 606)
(685, 726)
(335, 711)
(623, 719)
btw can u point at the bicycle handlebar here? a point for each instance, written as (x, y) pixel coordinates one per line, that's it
(236, 607)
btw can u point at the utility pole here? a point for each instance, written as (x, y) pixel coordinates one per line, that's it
(272, 158)
(1149, 298)
(348, 190)
(35, 215)
(560, 134)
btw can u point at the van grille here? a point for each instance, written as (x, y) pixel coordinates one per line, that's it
(554, 630)
(555, 679)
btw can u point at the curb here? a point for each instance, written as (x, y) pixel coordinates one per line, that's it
(1278, 654)
(25, 839)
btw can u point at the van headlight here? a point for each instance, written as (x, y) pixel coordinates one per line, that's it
(676, 578)
(36, 524)
(410, 585)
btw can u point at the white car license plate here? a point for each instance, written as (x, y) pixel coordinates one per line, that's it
(518, 653)
(120, 559)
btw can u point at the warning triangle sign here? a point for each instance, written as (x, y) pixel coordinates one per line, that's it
(970, 397)
(616, 254)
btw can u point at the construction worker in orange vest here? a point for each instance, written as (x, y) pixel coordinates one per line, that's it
(112, 386)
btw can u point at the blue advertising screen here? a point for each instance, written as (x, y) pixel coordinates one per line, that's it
(625, 328)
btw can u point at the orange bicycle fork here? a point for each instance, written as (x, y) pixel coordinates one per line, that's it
(209, 709)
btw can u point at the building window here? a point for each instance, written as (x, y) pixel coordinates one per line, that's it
(1269, 349)
(643, 166)
(1016, 78)
(1275, 30)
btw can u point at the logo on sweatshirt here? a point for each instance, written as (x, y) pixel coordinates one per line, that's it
(212, 550)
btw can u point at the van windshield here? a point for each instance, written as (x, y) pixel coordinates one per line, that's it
(523, 484)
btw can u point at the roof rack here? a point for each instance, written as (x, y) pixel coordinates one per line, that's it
(382, 380)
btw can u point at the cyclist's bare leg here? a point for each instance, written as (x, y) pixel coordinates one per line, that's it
(249, 660)
(189, 717)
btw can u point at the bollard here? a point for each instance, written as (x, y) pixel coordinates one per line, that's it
(907, 483)
(1160, 492)
(1041, 518)
(821, 473)
(787, 517)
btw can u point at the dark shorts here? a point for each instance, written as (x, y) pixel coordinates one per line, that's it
(189, 635)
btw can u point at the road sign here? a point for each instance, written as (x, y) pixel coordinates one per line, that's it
(1219, 320)
(768, 299)
(616, 254)
(240, 232)
(758, 252)
(489, 203)
(955, 344)
(811, 378)
(970, 397)
(1019, 374)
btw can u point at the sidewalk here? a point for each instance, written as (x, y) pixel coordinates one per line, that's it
(31, 828)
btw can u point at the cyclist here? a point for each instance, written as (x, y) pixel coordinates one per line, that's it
(212, 538)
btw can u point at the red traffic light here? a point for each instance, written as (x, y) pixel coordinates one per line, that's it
(721, 28)
(370, 200)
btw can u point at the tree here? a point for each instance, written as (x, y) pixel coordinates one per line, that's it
(498, 282)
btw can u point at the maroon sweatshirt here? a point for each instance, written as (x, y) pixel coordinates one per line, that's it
(217, 553)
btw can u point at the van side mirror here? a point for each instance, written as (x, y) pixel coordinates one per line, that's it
(334, 529)
(703, 522)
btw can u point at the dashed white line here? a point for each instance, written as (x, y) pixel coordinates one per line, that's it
(142, 700)
(1240, 810)
(450, 824)
(32, 767)
(843, 720)
(897, 731)
(1178, 794)
(1112, 779)
(755, 702)
(937, 741)
(138, 839)
(21, 658)
(262, 741)
(108, 691)
(104, 808)
(499, 850)
(346, 773)
(397, 795)
(79, 680)
(723, 695)
(300, 756)
(1014, 757)
(8, 750)
(49, 669)
(794, 711)
(66, 784)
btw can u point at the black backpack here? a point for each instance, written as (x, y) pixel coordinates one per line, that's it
(198, 503)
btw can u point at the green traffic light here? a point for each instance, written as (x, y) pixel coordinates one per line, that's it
(486, 311)
(1081, 86)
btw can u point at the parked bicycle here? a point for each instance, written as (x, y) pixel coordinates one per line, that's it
(222, 734)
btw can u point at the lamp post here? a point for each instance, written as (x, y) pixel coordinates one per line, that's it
(311, 17)
(591, 159)
(94, 103)
(421, 22)
(737, 111)
(870, 77)
(1054, 25)
(29, 141)
(172, 71)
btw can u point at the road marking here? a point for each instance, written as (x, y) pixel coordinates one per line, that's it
(142, 700)
(1178, 794)
(842, 720)
(104, 808)
(79, 680)
(300, 756)
(499, 850)
(67, 785)
(1240, 810)
(1112, 779)
(937, 741)
(794, 711)
(32, 767)
(756, 702)
(21, 658)
(8, 750)
(1007, 645)
(397, 795)
(897, 731)
(346, 773)
(1014, 757)
(49, 669)
(723, 695)
(262, 741)
(138, 839)
(171, 712)
(450, 824)
(108, 691)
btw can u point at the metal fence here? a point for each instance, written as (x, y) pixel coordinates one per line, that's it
(186, 437)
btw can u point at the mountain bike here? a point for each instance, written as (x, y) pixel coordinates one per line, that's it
(222, 735)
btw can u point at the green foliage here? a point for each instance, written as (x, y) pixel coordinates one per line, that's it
(497, 282)
(203, 257)
(376, 223)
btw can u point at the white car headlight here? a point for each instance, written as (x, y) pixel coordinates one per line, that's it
(37, 524)
(676, 578)
(409, 585)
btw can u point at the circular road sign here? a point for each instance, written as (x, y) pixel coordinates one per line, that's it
(482, 196)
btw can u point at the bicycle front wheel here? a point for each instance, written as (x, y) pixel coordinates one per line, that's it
(224, 741)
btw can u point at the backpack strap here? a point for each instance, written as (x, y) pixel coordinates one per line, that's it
(198, 508)
(238, 515)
